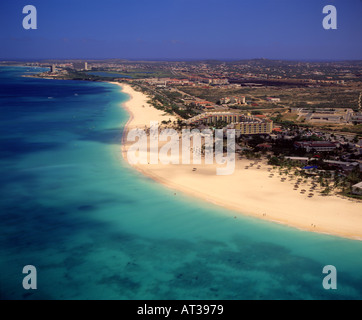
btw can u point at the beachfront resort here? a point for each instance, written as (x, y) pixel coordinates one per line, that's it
(299, 188)
(298, 142)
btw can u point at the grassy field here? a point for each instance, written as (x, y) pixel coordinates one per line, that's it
(320, 97)
(142, 74)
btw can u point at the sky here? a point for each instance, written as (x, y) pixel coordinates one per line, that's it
(181, 29)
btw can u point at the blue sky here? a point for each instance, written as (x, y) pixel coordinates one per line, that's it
(181, 29)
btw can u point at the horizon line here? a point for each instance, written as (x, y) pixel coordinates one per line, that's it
(181, 59)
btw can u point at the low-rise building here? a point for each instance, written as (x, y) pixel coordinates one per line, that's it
(357, 118)
(201, 104)
(299, 159)
(233, 100)
(357, 189)
(321, 115)
(316, 146)
(218, 81)
(271, 99)
(157, 82)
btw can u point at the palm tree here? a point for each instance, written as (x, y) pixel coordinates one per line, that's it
(344, 184)
(321, 181)
(336, 181)
(327, 190)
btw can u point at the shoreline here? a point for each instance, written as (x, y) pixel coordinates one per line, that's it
(330, 215)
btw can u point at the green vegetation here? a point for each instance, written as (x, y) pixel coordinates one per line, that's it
(251, 155)
(256, 113)
(282, 162)
(143, 74)
(139, 73)
(219, 124)
(355, 129)
(162, 102)
(328, 180)
(353, 196)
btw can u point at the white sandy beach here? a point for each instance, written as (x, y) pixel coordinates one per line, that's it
(249, 191)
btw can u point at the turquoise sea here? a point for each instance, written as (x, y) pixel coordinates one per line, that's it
(96, 229)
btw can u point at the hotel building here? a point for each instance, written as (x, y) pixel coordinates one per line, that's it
(243, 125)
(316, 146)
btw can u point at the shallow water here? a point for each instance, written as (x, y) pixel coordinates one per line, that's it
(96, 229)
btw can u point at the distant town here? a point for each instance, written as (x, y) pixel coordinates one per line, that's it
(301, 116)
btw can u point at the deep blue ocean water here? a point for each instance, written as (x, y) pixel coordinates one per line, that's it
(96, 229)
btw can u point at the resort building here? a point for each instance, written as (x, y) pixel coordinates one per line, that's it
(321, 115)
(214, 117)
(243, 125)
(299, 159)
(157, 82)
(80, 65)
(271, 99)
(357, 189)
(233, 100)
(218, 81)
(200, 104)
(316, 146)
(256, 126)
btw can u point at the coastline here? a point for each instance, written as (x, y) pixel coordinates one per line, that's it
(252, 192)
